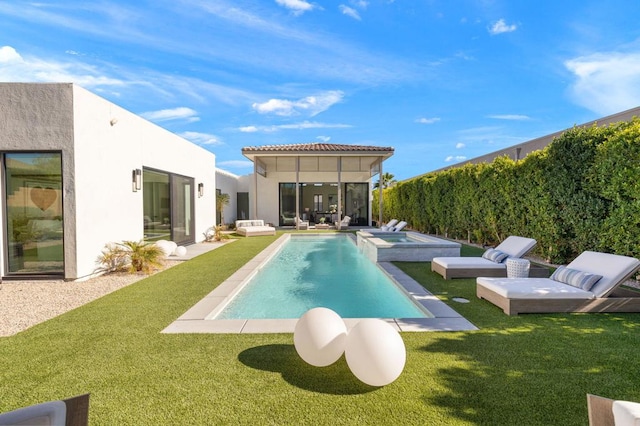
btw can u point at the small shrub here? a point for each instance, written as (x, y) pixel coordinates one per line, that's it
(131, 256)
(215, 234)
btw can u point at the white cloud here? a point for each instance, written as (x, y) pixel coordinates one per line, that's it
(425, 120)
(349, 11)
(201, 138)
(501, 26)
(324, 139)
(460, 145)
(8, 54)
(294, 126)
(16, 68)
(515, 117)
(455, 158)
(606, 83)
(311, 105)
(180, 113)
(297, 6)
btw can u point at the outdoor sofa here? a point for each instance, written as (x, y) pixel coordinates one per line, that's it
(588, 284)
(486, 266)
(69, 412)
(252, 228)
(610, 412)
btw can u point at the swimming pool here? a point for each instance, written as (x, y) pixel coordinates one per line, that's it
(326, 271)
(200, 318)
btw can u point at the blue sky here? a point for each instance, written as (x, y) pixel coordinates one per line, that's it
(439, 80)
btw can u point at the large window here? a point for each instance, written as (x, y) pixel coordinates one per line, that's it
(319, 201)
(34, 219)
(168, 207)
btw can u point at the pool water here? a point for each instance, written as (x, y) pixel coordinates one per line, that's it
(392, 239)
(328, 271)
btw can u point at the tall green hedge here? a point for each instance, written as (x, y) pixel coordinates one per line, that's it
(582, 192)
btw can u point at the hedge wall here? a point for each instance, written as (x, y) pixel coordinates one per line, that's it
(582, 192)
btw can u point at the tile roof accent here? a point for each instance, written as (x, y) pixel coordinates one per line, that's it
(316, 147)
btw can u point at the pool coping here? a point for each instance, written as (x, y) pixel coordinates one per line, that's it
(195, 320)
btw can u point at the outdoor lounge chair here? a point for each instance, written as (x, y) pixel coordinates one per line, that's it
(471, 267)
(399, 226)
(70, 412)
(568, 290)
(389, 226)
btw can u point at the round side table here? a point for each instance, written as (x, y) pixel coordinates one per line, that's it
(517, 268)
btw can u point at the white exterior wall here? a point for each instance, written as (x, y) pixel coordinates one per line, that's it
(97, 162)
(39, 117)
(227, 183)
(107, 209)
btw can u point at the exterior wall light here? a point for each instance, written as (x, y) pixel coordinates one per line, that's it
(136, 180)
(200, 190)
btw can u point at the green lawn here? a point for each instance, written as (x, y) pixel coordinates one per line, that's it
(530, 369)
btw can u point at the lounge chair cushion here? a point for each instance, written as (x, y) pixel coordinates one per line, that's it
(400, 226)
(533, 288)
(495, 255)
(613, 268)
(468, 263)
(626, 413)
(389, 226)
(516, 246)
(582, 280)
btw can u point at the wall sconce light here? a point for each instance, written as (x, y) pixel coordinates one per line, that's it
(113, 121)
(200, 190)
(136, 180)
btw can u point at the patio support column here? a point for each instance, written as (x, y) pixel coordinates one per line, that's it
(339, 193)
(380, 196)
(297, 219)
(255, 189)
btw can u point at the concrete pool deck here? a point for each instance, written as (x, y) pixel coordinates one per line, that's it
(198, 319)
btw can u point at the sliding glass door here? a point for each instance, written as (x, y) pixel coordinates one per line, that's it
(319, 202)
(168, 207)
(33, 212)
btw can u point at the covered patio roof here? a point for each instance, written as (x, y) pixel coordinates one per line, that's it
(318, 157)
(363, 160)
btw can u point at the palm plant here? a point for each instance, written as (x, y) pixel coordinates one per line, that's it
(131, 256)
(387, 180)
(222, 200)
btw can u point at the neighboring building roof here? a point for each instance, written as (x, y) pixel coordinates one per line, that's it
(519, 151)
(315, 148)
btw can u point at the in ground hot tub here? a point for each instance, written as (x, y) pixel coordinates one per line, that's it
(404, 246)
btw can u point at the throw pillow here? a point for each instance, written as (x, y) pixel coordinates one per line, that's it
(575, 278)
(495, 255)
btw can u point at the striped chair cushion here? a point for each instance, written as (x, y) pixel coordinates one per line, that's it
(495, 255)
(573, 277)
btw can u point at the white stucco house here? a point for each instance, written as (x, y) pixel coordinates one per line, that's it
(79, 172)
(312, 181)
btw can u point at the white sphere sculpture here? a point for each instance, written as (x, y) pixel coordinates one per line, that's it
(181, 251)
(319, 337)
(167, 247)
(375, 352)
